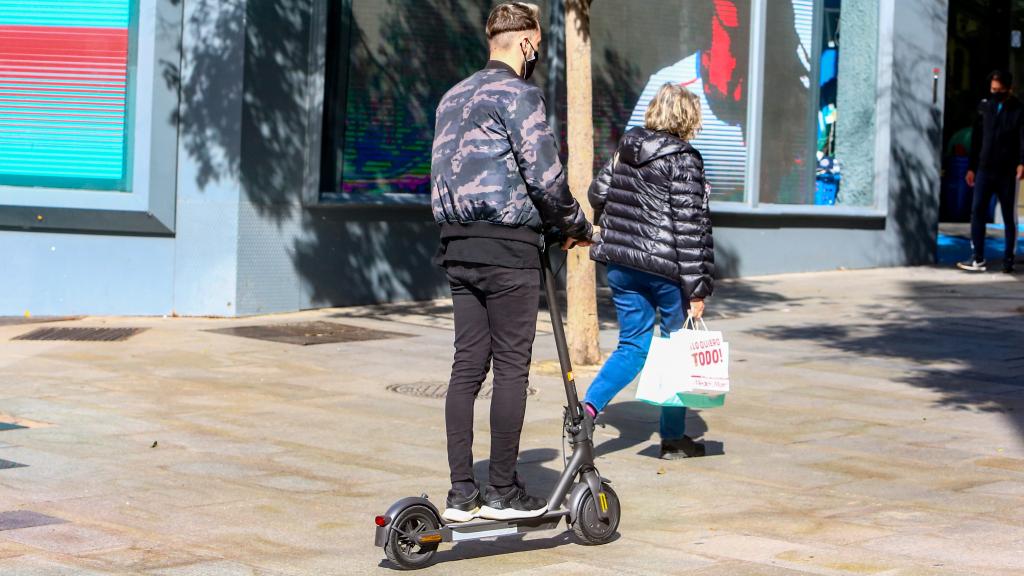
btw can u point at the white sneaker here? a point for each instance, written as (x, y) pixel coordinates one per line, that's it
(972, 266)
(460, 508)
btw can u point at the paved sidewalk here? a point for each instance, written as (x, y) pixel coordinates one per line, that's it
(876, 427)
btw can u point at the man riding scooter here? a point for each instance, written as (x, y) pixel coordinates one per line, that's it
(496, 185)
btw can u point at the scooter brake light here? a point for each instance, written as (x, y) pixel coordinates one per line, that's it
(380, 521)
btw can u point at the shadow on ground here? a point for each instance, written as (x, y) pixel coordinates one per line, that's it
(637, 424)
(974, 360)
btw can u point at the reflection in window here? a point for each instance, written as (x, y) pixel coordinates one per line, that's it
(818, 135)
(702, 45)
(787, 148)
(389, 63)
(64, 69)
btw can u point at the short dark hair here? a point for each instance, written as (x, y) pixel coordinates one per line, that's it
(512, 17)
(1005, 78)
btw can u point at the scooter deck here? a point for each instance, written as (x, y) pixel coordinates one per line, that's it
(477, 529)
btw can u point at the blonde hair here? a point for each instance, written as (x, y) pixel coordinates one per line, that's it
(675, 110)
(512, 17)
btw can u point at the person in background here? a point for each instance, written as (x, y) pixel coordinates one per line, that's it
(996, 168)
(651, 203)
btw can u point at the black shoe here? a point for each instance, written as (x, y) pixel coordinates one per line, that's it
(511, 503)
(972, 265)
(462, 508)
(684, 447)
(1008, 266)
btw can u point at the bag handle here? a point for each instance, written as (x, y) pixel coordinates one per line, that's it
(691, 324)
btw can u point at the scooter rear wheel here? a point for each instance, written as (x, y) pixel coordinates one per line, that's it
(402, 548)
(589, 527)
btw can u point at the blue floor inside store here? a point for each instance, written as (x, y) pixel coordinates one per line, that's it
(953, 249)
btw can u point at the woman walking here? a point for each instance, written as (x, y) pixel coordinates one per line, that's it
(651, 202)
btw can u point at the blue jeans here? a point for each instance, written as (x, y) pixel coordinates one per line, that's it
(637, 295)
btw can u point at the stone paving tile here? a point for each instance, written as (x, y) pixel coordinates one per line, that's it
(12, 549)
(140, 557)
(212, 568)
(1009, 558)
(34, 565)
(565, 569)
(66, 538)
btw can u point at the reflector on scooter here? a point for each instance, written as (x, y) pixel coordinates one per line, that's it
(380, 521)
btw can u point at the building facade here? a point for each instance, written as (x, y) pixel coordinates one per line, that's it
(237, 157)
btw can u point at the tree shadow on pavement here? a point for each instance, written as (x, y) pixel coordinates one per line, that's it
(962, 341)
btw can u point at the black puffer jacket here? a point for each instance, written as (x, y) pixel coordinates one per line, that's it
(651, 202)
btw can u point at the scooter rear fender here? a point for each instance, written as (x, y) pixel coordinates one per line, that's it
(381, 535)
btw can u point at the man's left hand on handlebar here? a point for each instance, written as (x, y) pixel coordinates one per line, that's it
(571, 243)
(574, 242)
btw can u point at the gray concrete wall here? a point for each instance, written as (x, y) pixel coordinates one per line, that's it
(192, 272)
(856, 101)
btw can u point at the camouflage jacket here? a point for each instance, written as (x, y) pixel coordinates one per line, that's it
(495, 170)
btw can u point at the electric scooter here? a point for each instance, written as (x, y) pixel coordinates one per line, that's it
(412, 528)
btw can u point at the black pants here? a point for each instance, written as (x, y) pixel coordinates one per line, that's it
(1002, 185)
(495, 318)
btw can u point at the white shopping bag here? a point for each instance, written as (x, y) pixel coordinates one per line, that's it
(659, 374)
(690, 361)
(705, 359)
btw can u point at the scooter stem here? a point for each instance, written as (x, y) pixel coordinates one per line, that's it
(571, 395)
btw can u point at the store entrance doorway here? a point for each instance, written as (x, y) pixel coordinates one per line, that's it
(983, 35)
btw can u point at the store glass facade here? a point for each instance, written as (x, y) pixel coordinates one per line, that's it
(766, 72)
(386, 72)
(706, 46)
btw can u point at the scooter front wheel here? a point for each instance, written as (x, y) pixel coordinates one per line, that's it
(402, 547)
(589, 527)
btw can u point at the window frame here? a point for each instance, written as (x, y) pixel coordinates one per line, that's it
(148, 206)
(752, 206)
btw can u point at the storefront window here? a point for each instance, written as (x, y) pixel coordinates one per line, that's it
(818, 112)
(65, 69)
(703, 45)
(786, 146)
(389, 63)
(813, 117)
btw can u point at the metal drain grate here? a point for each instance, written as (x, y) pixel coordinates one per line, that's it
(82, 334)
(4, 426)
(5, 464)
(309, 333)
(437, 391)
(18, 519)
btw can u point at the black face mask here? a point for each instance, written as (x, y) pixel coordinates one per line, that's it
(531, 63)
(1000, 96)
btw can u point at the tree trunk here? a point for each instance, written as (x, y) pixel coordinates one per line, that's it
(581, 280)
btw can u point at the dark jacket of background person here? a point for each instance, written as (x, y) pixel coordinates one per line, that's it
(996, 142)
(495, 171)
(651, 202)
